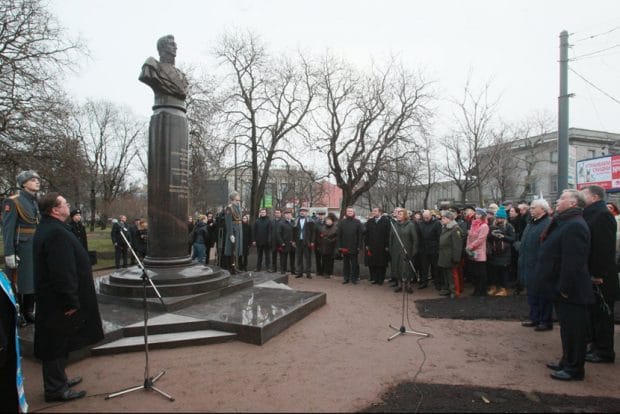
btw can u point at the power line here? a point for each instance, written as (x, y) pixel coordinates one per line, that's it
(595, 52)
(594, 86)
(597, 35)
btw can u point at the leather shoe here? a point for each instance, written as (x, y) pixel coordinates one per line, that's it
(543, 327)
(74, 381)
(595, 358)
(68, 395)
(553, 366)
(398, 289)
(298, 276)
(529, 324)
(345, 282)
(565, 376)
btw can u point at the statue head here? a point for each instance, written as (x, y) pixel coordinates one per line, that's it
(167, 48)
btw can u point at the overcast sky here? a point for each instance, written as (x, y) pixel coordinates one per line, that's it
(516, 43)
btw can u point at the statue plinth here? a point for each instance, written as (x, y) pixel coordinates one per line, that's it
(168, 187)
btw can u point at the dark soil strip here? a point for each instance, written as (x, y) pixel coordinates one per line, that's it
(441, 398)
(473, 307)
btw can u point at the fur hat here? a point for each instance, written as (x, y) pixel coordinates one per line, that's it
(24, 176)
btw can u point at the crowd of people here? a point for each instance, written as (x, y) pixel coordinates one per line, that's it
(563, 257)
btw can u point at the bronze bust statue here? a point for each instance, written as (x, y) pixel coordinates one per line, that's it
(168, 83)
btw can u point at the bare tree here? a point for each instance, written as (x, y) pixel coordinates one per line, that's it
(35, 51)
(368, 122)
(267, 102)
(532, 131)
(111, 138)
(469, 150)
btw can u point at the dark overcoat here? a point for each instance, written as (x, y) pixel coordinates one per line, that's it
(327, 236)
(262, 231)
(429, 236)
(80, 232)
(377, 241)
(562, 265)
(64, 281)
(285, 235)
(602, 261)
(528, 250)
(350, 234)
(499, 250)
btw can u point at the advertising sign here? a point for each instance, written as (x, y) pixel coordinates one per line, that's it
(603, 171)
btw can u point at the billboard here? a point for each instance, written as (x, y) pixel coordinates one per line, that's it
(603, 171)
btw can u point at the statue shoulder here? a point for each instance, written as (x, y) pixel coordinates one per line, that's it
(151, 61)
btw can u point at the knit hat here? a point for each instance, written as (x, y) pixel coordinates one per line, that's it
(481, 211)
(501, 213)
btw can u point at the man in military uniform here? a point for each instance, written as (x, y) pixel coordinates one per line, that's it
(19, 221)
(77, 227)
(233, 245)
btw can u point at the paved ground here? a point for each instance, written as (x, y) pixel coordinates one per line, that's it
(336, 359)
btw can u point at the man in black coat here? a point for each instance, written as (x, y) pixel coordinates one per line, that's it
(429, 231)
(275, 253)
(262, 239)
(303, 235)
(602, 266)
(350, 239)
(67, 316)
(285, 243)
(562, 276)
(377, 241)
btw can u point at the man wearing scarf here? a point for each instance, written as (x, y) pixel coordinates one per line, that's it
(563, 277)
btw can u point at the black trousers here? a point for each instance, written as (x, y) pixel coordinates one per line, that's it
(302, 255)
(429, 269)
(118, 252)
(328, 264)
(320, 267)
(350, 267)
(263, 251)
(601, 333)
(479, 274)
(54, 376)
(274, 259)
(377, 273)
(573, 321)
(290, 257)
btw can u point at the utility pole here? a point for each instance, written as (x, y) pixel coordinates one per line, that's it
(563, 115)
(236, 188)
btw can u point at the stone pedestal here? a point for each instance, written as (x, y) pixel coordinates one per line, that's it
(168, 188)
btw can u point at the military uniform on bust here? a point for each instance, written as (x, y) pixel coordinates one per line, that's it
(19, 221)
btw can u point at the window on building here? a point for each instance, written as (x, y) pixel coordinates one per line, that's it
(554, 156)
(553, 183)
(531, 187)
(591, 153)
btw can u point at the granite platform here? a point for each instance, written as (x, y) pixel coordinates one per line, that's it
(254, 307)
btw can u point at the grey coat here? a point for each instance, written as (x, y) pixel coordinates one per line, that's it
(528, 250)
(401, 268)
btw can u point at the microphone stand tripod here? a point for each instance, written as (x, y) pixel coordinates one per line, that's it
(405, 307)
(148, 380)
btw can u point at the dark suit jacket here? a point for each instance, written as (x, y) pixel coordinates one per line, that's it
(602, 261)
(562, 265)
(308, 232)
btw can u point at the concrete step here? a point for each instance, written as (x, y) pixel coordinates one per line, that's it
(164, 341)
(166, 290)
